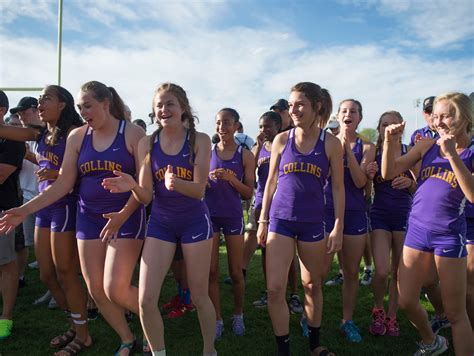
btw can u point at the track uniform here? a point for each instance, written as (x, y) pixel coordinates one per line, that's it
(422, 133)
(94, 200)
(355, 217)
(176, 217)
(263, 168)
(391, 206)
(61, 215)
(437, 222)
(222, 199)
(297, 208)
(469, 211)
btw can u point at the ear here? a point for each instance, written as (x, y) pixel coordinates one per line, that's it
(62, 105)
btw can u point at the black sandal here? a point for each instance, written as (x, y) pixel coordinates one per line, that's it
(62, 340)
(73, 348)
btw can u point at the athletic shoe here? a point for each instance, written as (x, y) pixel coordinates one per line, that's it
(366, 278)
(336, 281)
(439, 346)
(294, 304)
(438, 323)
(262, 302)
(174, 303)
(351, 331)
(304, 326)
(45, 298)
(238, 326)
(177, 313)
(92, 314)
(189, 307)
(392, 326)
(33, 265)
(219, 329)
(378, 322)
(6, 327)
(228, 280)
(52, 304)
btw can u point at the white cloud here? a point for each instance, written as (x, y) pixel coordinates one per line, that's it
(37, 9)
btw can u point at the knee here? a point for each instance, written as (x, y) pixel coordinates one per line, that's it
(276, 291)
(313, 287)
(113, 292)
(455, 313)
(200, 299)
(47, 276)
(237, 275)
(407, 303)
(382, 272)
(351, 273)
(146, 303)
(97, 293)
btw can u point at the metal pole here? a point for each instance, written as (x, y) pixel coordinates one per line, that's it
(60, 35)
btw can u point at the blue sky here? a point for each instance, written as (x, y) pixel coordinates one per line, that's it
(245, 54)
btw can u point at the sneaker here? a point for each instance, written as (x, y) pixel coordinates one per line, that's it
(378, 322)
(366, 278)
(238, 326)
(294, 304)
(45, 298)
(228, 280)
(439, 346)
(438, 323)
(219, 329)
(92, 314)
(262, 302)
(336, 281)
(6, 327)
(177, 313)
(34, 265)
(392, 327)
(189, 307)
(304, 326)
(174, 303)
(351, 331)
(52, 304)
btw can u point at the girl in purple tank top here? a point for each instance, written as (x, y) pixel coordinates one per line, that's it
(388, 219)
(299, 166)
(175, 166)
(55, 223)
(231, 178)
(357, 154)
(107, 263)
(437, 225)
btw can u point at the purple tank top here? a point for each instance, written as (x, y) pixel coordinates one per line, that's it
(301, 178)
(469, 210)
(387, 198)
(263, 167)
(222, 199)
(439, 202)
(51, 157)
(94, 166)
(171, 205)
(354, 196)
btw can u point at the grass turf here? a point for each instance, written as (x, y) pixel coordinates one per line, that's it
(35, 326)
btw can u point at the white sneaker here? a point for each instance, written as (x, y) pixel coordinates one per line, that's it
(33, 265)
(43, 299)
(52, 304)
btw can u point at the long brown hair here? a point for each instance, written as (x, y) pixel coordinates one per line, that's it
(101, 92)
(316, 94)
(380, 137)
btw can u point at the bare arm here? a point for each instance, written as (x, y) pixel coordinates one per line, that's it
(21, 134)
(5, 171)
(358, 170)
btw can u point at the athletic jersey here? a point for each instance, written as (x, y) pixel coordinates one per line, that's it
(51, 157)
(172, 205)
(94, 166)
(469, 209)
(422, 133)
(222, 199)
(263, 167)
(387, 198)
(301, 178)
(355, 200)
(439, 202)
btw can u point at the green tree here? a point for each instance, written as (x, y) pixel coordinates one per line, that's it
(369, 134)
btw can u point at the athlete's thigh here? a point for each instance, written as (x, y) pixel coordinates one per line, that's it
(452, 276)
(381, 243)
(398, 238)
(92, 259)
(235, 250)
(120, 261)
(312, 256)
(215, 251)
(197, 257)
(352, 250)
(280, 250)
(43, 247)
(414, 267)
(64, 250)
(470, 265)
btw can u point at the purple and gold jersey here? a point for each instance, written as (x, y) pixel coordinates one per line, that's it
(51, 157)
(386, 198)
(172, 205)
(93, 166)
(355, 200)
(439, 202)
(301, 178)
(222, 199)
(263, 167)
(469, 209)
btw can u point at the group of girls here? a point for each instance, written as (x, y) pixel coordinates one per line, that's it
(312, 198)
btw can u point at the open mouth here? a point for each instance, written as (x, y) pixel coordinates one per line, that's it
(347, 122)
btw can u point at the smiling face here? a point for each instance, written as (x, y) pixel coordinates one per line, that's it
(226, 125)
(268, 127)
(349, 115)
(49, 106)
(92, 111)
(301, 111)
(167, 109)
(445, 120)
(387, 120)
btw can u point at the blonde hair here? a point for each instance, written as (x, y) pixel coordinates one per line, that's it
(461, 107)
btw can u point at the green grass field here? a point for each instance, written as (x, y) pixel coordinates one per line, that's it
(34, 326)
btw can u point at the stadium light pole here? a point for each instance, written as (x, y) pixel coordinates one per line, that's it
(416, 105)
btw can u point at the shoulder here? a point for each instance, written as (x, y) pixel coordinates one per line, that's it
(247, 154)
(133, 131)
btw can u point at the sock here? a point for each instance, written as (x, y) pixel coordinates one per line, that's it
(186, 297)
(313, 334)
(283, 343)
(244, 272)
(159, 353)
(368, 268)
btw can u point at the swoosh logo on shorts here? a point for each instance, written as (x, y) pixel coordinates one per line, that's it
(235, 230)
(186, 154)
(446, 251)
(194, 237)
(316, 236)
(360, 230)
(126, 233)
(115, 149)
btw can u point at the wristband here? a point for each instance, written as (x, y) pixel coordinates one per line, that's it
(263, 221)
